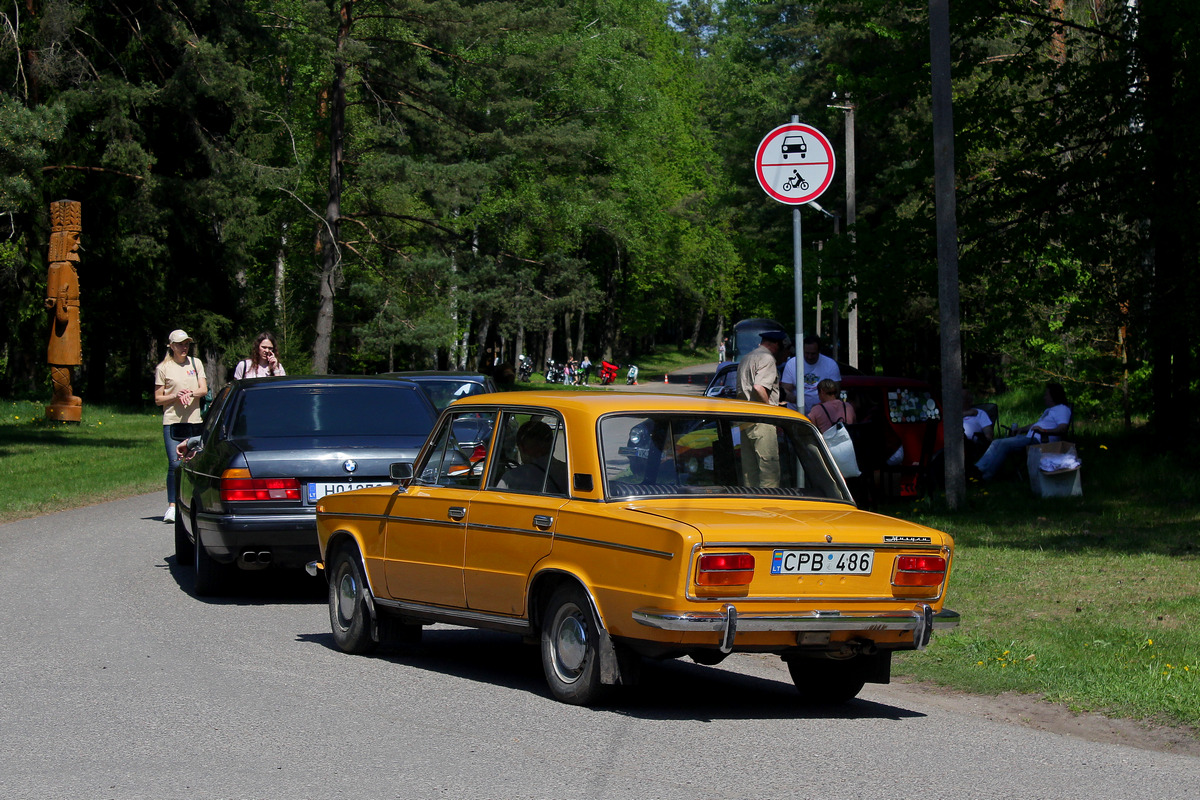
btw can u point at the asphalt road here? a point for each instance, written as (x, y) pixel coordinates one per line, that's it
(117, 682)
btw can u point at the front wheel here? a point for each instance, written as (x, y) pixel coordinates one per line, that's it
(348, 615)
(571, 647)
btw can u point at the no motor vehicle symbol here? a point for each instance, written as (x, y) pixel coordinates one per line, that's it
(794, 163)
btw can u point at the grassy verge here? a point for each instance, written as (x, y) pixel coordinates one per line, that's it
(1092, 601)
(50, 466)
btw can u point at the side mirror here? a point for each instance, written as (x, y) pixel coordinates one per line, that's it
(401, 472)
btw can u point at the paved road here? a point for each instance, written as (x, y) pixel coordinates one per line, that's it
(117, 683)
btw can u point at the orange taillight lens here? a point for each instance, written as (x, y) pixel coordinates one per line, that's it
(238, 487)
(725, 569)
(919, 571)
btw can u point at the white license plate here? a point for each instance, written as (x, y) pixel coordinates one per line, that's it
(822, 562)
(318, 490)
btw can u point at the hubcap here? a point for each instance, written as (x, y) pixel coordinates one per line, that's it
(571, 646)
(347, 598)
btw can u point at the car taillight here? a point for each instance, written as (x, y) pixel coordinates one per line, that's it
(238, 487)
(919, 571)
(726, 569)
(479, 453)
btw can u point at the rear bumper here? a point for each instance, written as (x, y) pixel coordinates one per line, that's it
(921, 620)
(291, 539)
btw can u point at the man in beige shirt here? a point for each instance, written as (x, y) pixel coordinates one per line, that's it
(758, 382)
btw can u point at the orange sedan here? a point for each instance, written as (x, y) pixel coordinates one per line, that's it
(615, 527)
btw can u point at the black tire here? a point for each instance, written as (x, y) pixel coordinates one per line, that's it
(826, 682)
(571, 647)
(184, 551)
(348, 614)
(210, 574)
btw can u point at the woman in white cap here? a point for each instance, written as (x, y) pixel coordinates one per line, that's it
(179, 386)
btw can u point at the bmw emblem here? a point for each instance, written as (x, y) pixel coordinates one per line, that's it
(349, 465)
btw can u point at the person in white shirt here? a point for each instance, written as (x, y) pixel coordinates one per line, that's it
(1050, 427)
(816, 368)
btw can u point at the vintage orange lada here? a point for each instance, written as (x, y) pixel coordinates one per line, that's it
(612, 527)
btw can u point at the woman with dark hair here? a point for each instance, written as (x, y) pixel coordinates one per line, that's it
(1050, 427)
(262, 362)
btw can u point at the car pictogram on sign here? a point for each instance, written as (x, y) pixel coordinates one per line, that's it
(794, 143)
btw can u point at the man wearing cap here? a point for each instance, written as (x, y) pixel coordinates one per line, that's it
(758, 382)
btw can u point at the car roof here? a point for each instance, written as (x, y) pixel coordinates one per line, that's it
(446, 375)
(322, 380)
(599, 403)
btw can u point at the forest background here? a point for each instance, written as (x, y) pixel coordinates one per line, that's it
(392, 184)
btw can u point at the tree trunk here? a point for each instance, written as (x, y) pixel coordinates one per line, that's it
(482, 363)
(548, 353)
(331, 261)
(694, 342)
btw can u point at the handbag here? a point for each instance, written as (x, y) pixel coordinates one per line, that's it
(841, 447)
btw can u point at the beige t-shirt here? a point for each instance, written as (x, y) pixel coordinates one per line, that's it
(758, 367)
(172, 376)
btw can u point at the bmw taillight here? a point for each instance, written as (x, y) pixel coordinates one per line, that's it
(725, 569)
(919, 571)
(238, 487)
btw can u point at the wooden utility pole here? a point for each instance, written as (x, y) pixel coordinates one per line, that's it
(947, 250)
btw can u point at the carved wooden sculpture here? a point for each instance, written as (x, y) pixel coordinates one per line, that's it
(62, 301)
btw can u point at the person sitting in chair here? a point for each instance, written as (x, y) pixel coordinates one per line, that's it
(1050, 427)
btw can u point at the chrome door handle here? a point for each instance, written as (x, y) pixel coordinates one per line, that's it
(457, 513)
(542, 521)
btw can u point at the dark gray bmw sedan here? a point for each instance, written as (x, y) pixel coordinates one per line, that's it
(270, 449)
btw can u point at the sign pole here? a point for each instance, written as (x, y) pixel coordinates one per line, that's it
(797, 272)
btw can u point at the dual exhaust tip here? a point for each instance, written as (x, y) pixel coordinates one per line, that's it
(255, 559)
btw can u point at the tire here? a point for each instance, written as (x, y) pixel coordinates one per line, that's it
(348, 615)
(184, 550)
(570, 647)
(826, 682)
(210, 575)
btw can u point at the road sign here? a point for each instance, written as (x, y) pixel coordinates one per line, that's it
(794, 163)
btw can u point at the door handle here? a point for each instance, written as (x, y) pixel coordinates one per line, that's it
(542, 521)
(457, 513)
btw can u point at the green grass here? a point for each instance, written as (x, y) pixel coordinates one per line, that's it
(1093, 602)
(50, 466)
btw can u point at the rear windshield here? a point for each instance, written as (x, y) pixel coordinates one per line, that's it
(670, 454)
(333, 411)
(444, 392)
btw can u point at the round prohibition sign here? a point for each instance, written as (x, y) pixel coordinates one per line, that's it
(794, 163)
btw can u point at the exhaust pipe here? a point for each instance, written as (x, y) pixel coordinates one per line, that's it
(255, 559)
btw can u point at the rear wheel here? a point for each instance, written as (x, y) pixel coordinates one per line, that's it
(210, 574)
(348, 615)
(183, 545)
(571, 647)
(826, 682)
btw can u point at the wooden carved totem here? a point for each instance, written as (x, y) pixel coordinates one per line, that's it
(62, 301)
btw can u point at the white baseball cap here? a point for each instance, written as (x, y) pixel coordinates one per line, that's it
(178, 336)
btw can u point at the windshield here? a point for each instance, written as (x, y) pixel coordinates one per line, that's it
(268, 411)
(443, 392)
(672, 454)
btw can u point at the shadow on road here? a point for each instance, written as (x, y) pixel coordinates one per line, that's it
(254, 588)
(668, 690)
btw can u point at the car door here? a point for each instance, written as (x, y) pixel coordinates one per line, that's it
(512, 521)
(425, 534)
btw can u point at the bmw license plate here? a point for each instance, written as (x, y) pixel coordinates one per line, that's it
(822, 562)
(318, 490)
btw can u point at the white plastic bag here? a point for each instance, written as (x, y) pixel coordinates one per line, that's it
(841, 447)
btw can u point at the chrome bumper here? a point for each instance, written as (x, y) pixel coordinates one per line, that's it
(921, 620)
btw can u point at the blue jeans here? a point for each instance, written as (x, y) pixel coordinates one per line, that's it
(998, 452)
(170, 442)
